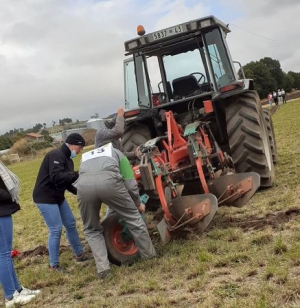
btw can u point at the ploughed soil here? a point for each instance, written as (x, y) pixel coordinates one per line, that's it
(272, 220)
(39, 251)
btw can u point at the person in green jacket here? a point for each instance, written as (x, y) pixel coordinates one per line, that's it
(105, 175)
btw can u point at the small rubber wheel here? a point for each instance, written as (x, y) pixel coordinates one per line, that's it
(121, 248)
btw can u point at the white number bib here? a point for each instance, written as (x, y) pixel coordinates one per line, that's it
(105, 150)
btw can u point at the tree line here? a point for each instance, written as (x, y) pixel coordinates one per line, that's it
(9, 138)
(268, 76)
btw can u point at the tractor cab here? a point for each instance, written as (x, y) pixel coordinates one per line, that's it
(184, 62)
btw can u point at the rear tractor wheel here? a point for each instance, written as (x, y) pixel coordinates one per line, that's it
(249, 138)
(135, 135)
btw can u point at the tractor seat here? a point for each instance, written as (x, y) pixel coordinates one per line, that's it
(185, 86)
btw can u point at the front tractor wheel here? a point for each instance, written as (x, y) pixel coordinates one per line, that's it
(248, 135)
(120, 245)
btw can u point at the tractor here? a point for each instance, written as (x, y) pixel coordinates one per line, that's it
(205, 139)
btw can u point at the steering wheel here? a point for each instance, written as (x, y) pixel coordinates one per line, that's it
(202, 76)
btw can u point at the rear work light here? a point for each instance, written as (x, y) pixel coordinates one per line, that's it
(232, 86)
(208, 106)
(132, 45)
(131, 113)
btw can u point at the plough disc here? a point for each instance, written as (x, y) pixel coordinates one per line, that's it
(234, 189)
(196, 211)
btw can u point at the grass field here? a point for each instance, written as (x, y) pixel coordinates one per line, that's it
(249, 257)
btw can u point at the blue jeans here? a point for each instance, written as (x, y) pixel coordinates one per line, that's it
(8, 276)
(55, 217)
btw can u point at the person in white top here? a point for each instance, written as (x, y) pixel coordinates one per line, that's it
(279, 96)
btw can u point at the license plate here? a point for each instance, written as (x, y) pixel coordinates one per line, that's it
(167, 32)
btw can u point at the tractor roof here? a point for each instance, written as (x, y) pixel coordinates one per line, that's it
(169, 34)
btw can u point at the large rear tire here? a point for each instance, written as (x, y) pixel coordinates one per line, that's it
(121, 249)
(135, 135)
(248, 135)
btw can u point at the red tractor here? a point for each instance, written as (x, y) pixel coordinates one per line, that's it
(205, 139)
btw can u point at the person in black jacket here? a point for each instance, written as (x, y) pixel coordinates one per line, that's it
(56, 175)
(14, 292)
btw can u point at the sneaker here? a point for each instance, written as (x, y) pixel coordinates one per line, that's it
(57, 268)
(84, 257)
(105, 274)
(26, 291)
(20, 299)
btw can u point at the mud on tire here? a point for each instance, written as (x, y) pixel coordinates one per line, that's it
(271, 133)
(248, 135)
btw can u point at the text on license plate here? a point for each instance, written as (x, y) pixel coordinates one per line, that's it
(167, 32)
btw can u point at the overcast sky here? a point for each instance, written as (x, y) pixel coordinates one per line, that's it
(64, 58)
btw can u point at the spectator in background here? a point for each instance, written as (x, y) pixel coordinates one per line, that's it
(279, 94)
(283, 96)
(56, 175)
(275, 98)
(270, 98)
(14, 292)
